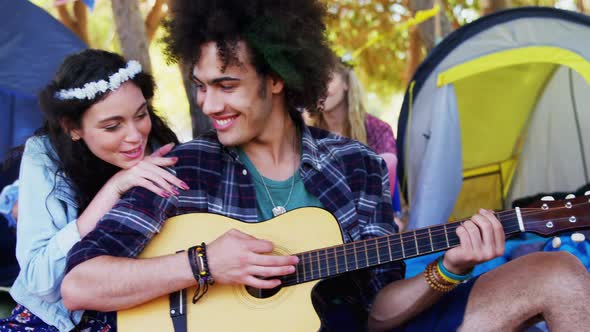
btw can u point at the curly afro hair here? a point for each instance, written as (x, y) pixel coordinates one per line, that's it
(286, 39)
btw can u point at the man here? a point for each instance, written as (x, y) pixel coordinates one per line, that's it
(255, 64)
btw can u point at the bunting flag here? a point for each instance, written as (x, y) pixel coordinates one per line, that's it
(420, 17)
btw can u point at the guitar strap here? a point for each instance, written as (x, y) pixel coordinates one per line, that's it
(178, 310)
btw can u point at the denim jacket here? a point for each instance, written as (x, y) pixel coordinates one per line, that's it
(46, 231)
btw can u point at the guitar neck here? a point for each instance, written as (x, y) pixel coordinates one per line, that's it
(331, 261)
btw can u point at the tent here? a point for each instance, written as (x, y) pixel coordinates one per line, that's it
(32, 45)
(498, 111)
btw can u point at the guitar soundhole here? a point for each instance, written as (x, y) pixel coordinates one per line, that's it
(262, 293)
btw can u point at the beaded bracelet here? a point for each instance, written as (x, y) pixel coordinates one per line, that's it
(450, 275)
(197, 257)
(435, 280)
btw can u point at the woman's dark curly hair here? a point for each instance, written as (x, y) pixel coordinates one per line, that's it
(286, 39)
(84, 171)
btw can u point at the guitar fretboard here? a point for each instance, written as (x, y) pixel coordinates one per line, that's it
(331, 261)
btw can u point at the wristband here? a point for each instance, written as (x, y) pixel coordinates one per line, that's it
(197, 257)
(446, 274)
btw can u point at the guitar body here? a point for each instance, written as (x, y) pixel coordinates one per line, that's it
(302, 232)
(232, 308)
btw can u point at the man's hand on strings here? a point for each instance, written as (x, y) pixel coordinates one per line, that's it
(481, 239)
(239, 258)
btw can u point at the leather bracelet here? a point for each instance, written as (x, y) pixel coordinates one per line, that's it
(197, 256)
(192, 260)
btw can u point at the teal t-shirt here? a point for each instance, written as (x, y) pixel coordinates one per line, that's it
(279, 190)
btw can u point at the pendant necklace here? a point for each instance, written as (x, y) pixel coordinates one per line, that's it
(277, 210)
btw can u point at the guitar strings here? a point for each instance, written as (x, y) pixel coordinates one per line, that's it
(370, 247)
(408, 238)
(341, 268)
(440, 230)
(341, 249)
(444, 228)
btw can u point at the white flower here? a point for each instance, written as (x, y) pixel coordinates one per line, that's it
(79, 93)
(91, 89)
(102, 85)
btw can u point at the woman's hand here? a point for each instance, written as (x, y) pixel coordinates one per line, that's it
(148, 173)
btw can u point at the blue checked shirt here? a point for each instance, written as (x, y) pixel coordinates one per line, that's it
(348, 178)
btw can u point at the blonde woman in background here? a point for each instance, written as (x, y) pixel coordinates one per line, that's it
(345, 114)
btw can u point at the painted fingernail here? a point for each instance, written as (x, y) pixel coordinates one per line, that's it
(175, 192)
(184, 186)
(174, 159)
(165, 194)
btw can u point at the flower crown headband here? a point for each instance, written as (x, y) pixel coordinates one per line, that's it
(91, 89)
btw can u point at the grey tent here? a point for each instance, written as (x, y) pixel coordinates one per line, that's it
(500, 110)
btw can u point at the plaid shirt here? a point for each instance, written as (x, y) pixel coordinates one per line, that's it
(348, 178)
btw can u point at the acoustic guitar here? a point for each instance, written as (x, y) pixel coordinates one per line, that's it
(312, 234)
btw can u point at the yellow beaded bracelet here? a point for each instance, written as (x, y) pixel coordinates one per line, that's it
(435, 280)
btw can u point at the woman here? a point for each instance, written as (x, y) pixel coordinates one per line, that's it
(345, 114)
(95, 145)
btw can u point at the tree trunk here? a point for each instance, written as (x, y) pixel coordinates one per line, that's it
(131, 31)
(492, 6)
(583, 6)
(200, 122)
(427, 28)
(78, 23)
(413, 53)
(153, 19)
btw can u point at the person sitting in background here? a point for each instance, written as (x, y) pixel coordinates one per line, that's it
(344, 113)
(9, 203)
(8, 216)
(95, 145)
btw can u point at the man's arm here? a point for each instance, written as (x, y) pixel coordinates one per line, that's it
(380, 221)
(121, 282)
(401, 299)
(102, 273)
(481, 239)
(108, 283)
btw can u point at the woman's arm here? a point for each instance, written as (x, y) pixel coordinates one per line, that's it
(147, 173)
(44, 234)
